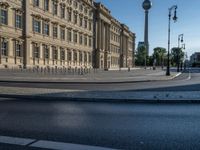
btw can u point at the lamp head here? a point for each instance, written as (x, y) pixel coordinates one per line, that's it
(147, 4)
(175, 16)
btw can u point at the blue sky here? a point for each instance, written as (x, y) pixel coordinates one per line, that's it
(131, 13)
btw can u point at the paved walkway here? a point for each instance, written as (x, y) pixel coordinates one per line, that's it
(135, 75)
(139, 75)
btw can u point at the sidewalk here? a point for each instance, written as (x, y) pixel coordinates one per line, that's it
(94, 96)
(114, 76)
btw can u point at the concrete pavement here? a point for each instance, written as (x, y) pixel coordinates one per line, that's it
(157, 90)
(97, 76)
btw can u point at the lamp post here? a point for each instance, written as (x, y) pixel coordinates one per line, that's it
(183, 47)
(180, 40)
(174, 7)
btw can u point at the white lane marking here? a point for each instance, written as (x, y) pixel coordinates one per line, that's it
(178, 74)
(15, 140)
(189, 77)
(47, 144)
(65, 146)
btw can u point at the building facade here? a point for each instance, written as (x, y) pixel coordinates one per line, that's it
(62, 34)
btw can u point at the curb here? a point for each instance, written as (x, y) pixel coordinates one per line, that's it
(95, 100)
(99, 82)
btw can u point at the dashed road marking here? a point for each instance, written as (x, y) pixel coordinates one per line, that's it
(15, 140)
(47, 144)
(65, 146)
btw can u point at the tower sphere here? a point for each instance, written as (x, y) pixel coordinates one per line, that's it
(147, 4)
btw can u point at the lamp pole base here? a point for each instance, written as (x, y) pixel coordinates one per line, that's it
(168, 71)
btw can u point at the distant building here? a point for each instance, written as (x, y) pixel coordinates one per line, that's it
(140, 44)
(195, 59)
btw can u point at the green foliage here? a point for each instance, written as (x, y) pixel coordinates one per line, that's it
(140, 56)
(177, 55)
(160, 55)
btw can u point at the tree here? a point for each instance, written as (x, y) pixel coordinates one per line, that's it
(160, 55)
(177, 57)
(141, 56)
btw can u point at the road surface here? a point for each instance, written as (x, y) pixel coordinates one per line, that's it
(112, 125)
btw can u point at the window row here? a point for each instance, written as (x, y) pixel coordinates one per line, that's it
(71, 36)
(115, 61)
(4, 18)
(18, 47)
(115, 37)
(83, 22)
(71, 56)
(55, 7)
(114, 49)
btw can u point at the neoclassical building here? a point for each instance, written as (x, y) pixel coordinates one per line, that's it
(62, 34)
(114, 42)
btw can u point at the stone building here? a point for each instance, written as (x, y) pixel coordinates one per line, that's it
(62, 34)
(114, 42)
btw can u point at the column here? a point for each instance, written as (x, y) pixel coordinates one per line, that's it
(27, 27)
(40, 53)
(102, 35)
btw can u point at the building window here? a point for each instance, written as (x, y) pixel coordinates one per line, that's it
(85, 22)
(90, 42)
(85, 40)
(75, 37)
(18, 21)
(36, 3)
(55, 8)
(80, 39)
(90, 58)
(85, 11)
(75, 56)
(36, 51)
(69, 56)
(81, 7)
(55, 53)
(36, 26)
(69, 35)
(62, 12)
(90, 13)
(46, 52)
(75, 18)
(62, 54)
(69, 15)
(46, 29)
(18, 49)
(55, 31)
(90, 26)
(62, 33)
(75, 5)
(46, 5)
(4, 47)
(80, 57)
(81, 22)
(85, 57)
(4, 16)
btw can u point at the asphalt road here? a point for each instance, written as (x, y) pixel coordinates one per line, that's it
(113, 125)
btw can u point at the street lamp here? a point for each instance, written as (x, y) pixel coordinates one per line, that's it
(174, 7)
(183, 47)
(180, 40)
